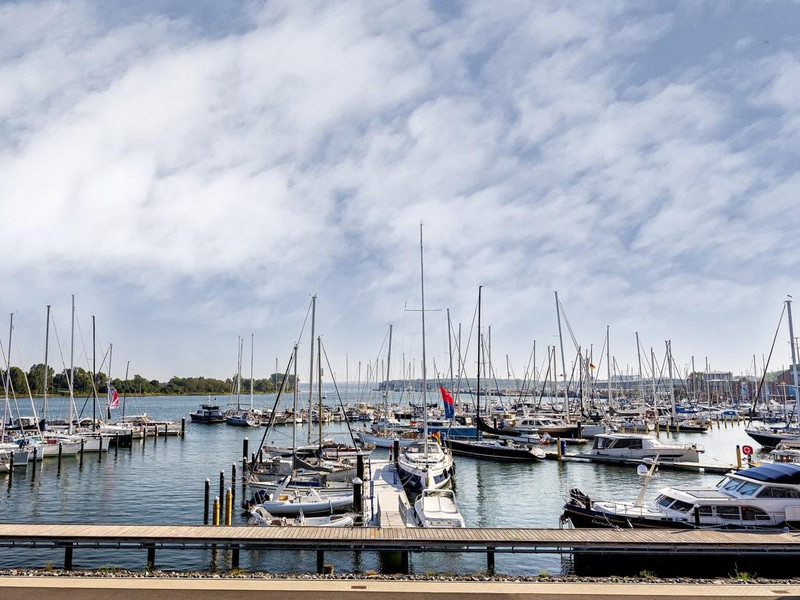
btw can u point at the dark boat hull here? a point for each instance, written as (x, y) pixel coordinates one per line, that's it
(586, 518)
(497, 453)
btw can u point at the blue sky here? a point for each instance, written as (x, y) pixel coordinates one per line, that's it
(194, 171)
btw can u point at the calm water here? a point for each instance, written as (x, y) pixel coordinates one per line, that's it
(162, 483)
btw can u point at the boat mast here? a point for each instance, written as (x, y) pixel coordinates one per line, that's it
(655, 383)
(252, 340)
(94, 377)
(450, 347)
(311, 365)
(671, 382)
(563, 362)
(424, 371)
(386, 391)
(108, 384)
(46, 366)
(72, 369)
(319, 391)
(608, 360)
(294, 411)
(641, 381)
(794, 360)
(478, 383)
(240, 341)
(125, 391)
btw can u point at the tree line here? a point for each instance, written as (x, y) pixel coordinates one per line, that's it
(21, 383)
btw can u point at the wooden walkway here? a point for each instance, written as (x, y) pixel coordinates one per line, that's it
(390, 498)
(402, 538)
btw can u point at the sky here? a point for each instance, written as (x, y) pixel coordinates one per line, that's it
(194, 171)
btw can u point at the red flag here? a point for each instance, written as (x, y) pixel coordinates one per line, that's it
(113, 397)
(449, 409)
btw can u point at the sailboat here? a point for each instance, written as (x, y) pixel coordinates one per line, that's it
(425, 464)
(489, 449)
(239, 417)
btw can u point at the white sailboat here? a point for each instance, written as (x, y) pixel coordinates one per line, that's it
(425, 464)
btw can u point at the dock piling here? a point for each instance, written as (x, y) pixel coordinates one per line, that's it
(68, 557)
(221, 485)
(358, 496)
(229, 507)
(320, 561)
(395, 450)
(235, 556)
(215, 521)
(100, 452)
(558, 449)
(183, 427)
(245, 449)
(166, 431)
(738, 456)
(490, 562)
(80, 462)
(116, 443)
(206, 500)
(233, 483)
(151, 556)
(60, 452)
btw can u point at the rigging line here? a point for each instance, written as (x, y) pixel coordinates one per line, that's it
(764, 376)
(569, 327)
(336, 388)
(63, 360)
(275, 406)
(461, 361)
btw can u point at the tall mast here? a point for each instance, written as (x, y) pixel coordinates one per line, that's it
(125, 391)
(608, 360)
(319, 389)
(239, 342)
(294, 410)
(794, 360)
(72, 368)
(252, 345)
(108, 383)
(311, 364)
(424, 371)
(94, 377)
(450, 347)
(478, 383)
(671, 382)
(386, 391)
(46, 365)
(563, 362)
(655, 385)
(641, 381)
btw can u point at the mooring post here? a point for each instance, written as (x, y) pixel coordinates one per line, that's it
(235, 556)
(68, 557)
(215, 522)
(738, 456)
(100, 451)
(233, 484)
(221, 485)
(229, 507)
(358, 496)
(206, 499)
(33, 474)
(155, 434)
(245, 448)
(80, 462)
(151, 556)
(60, 452)
(10, 468)
(116, 443)
(320, 560)
(166, 431)
(183, 427)
(490, 562)
(395, 450)
(558, 449)
(697, 515)
(360, 465)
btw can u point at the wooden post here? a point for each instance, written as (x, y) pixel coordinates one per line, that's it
(166, 431)
(320, 556)
(68, 557)
(245, 448)
(100, 452)
(235, 556)
(206, 499)
(233, 484)
(215, 520)
(229, 507)
(116, 443)
(738, 456)
(183, 427)
(33, 474)
(60, 452)
(80, 462)
(490, 562)
(558, 448)
(151, 556)
(221, 485)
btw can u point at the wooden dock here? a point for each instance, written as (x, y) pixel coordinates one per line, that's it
(391, 507)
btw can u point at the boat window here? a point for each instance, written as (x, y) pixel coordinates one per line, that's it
(682, 506)
(600, 442)
(664, 501)
(748, 488)
(722, 483)
(705, 511)
(621, 443)
(751, 513)
(732, 484)
(636, 444)
(728, 512)
(777, 492)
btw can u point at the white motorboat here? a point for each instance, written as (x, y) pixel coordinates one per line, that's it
(438, 508)
(286, 502)
(763, 497)
(636, 446)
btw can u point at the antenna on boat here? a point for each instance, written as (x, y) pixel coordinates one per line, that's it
(647, 478)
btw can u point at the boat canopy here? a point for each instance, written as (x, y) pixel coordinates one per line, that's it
(786, 473)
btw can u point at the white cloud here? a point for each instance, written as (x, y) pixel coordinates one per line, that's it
(193, 185)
